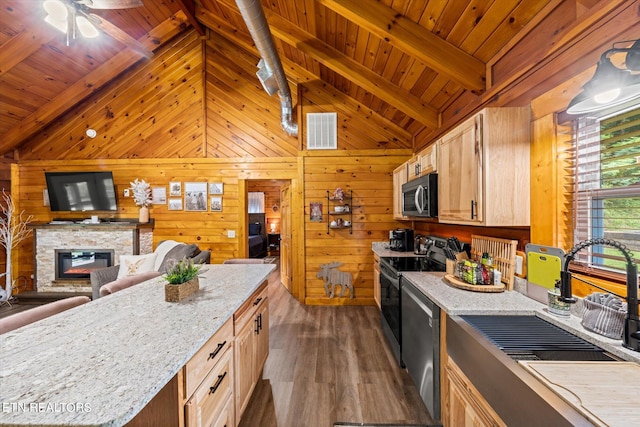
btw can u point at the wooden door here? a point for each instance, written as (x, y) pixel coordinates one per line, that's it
(459, 175)
(285, 236)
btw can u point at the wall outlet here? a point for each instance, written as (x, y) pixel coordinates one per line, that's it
(127, 192)
(231, 234)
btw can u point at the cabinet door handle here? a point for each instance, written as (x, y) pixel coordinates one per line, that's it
(257, 329)
(257, 301)
(260, 321)
(214, 387)
(217, 350)
(473, 210)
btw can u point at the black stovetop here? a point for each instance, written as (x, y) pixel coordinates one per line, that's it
(417, 263)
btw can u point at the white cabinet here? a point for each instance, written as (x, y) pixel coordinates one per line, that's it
(484, 171)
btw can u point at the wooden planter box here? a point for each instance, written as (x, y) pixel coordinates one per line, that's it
(174, 293)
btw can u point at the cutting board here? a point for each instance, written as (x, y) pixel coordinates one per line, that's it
(606, 393)
(544, 264)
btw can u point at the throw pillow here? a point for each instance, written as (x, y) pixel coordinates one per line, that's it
(135, 264)
(176, 254)
(162, 249)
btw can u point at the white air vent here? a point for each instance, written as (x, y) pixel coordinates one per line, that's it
(322, 131)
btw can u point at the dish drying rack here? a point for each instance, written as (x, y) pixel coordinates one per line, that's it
(503, 252)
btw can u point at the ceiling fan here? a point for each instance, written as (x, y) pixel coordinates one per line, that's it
(75, 16)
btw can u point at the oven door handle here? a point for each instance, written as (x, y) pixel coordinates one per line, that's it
(395, 281)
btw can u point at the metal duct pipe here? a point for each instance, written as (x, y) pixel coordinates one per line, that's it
(259, 28)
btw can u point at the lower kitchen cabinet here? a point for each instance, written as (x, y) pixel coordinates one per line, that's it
(210, 401)
(463, 405)
(376, 279)
(251, 323)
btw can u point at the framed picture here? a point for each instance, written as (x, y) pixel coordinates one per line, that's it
(159, 195)
(195, 196)
(216, 187)
(175, 189)
(216, 204)
(175, 204)
(315, 209)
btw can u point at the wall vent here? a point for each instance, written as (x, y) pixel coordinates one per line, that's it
(322, 131)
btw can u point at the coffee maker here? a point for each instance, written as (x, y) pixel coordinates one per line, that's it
(401, 240)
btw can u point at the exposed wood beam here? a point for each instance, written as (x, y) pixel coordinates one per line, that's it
(88, 85)
(343, 65)
(189, 9)
(413, 39)
(123, 37)
(352, 70)
(22, 45)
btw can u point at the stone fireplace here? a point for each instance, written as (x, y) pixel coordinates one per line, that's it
(79, 248)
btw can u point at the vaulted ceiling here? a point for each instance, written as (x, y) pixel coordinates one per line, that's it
(407, 60)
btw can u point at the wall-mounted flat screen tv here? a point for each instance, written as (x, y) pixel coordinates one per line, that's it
(81, 191)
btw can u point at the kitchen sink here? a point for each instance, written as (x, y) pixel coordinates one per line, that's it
(533, 338)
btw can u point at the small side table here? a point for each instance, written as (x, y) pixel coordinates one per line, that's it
(273, 244)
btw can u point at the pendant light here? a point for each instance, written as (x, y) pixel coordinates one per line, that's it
(610, 86)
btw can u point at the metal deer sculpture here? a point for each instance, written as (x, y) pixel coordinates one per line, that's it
(333, 277)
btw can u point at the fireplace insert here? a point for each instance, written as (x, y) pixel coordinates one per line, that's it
(78, 264)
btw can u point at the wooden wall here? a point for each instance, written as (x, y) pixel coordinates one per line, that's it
(191, 114)
(369, 176)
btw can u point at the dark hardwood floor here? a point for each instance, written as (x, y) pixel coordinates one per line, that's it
(329, 364)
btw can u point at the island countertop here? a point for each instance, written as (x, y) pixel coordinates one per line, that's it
(99, 364)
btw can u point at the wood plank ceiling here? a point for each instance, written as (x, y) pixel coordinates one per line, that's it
(407, 60)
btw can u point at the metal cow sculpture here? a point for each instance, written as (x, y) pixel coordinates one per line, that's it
(333, 277)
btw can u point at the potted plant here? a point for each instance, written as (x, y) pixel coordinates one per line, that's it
(142, 197)
(182, 280)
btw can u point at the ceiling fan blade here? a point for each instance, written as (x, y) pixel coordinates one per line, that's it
(111, 4)
(118, 34)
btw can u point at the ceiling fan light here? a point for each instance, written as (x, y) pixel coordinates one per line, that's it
(86, 28)
(56, 9)
(61, 25)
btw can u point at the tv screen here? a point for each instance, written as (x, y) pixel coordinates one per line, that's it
(81, 191)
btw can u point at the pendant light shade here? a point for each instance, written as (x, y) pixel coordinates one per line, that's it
(610, 86)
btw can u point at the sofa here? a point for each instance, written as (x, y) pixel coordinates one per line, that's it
(134, 269)
(15, 321)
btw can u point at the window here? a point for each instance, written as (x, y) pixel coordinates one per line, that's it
(256, 202)
(606, 192)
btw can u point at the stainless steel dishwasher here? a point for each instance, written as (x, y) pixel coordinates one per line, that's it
(421, 344)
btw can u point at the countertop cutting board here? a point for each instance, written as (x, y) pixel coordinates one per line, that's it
(606, 393)
(544, 264)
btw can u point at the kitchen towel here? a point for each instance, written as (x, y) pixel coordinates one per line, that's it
(604, 314)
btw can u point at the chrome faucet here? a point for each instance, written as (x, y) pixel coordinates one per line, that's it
(631, 335)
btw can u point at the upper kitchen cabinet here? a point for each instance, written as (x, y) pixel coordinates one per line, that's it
(424, 162)
(483, 170)
(400, 176)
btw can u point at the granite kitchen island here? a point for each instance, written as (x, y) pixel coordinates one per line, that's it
(101, 363)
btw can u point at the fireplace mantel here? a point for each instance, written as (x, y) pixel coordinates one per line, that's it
(122, 237)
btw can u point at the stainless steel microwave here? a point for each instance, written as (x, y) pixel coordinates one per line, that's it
(420, 197)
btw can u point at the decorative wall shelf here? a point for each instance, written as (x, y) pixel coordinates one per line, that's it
(340, 212)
